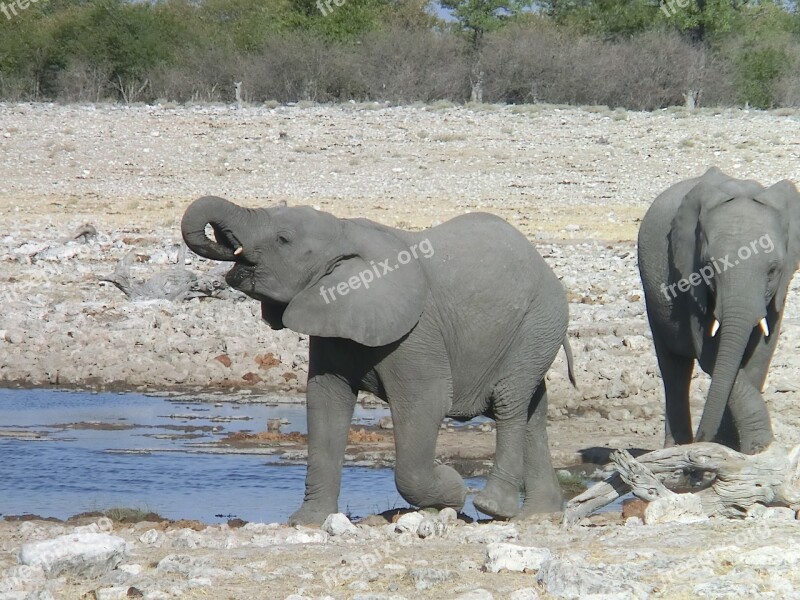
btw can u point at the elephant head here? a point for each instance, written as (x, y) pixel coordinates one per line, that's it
(313, 272)
(735, 246)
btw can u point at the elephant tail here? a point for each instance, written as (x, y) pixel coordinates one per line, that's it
(570, 362)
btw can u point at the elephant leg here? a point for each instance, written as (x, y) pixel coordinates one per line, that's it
(676, 373)
(500, 498)
(542, 490)
(750, 415)
(419, 479)
(330, 403)
(727, 434)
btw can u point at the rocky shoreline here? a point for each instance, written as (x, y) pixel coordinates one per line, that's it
(426, 554)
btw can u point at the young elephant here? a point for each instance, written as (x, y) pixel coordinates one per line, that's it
(716, 256)
(460, 320)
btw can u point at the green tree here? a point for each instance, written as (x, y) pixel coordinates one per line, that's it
(476, 18)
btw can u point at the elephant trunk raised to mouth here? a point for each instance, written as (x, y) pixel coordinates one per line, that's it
(228, 221)
(735, 329)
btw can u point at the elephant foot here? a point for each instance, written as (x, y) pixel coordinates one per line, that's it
(499, 500)
(549, 502)
(311, 514)
(443, 487)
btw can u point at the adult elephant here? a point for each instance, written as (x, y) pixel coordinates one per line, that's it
(716, 256)
(460, 320)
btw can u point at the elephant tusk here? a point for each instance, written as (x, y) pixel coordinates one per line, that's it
(764, 327)
(714, 328)
(238, 251)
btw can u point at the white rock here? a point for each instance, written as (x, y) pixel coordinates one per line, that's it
(431, 527)
(514, 558)
(565, 578)
(448, 515)
(479, 594)
(409, 522)
(339, 524)
(524, 594)
(152, 537)
(726, 589)
(487, 534)
(83, 554)
(112, 593)
(679, 508)
(131, 569)
(425, 579)
(772, 513)
(307, 536)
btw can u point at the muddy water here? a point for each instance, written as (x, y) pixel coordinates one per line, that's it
(62, 453)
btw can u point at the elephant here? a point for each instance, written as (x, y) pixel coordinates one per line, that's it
(459, 320)
(716, 257)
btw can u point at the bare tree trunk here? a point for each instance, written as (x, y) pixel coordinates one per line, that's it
(238, 89)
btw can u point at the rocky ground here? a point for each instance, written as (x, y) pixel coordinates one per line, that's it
(576, 181)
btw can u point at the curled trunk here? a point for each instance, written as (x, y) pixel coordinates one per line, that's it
(222, 216)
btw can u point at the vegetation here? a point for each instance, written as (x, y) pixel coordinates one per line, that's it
(636, 54)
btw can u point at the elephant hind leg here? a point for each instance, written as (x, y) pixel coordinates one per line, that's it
(676, 373)
(542, 490)
(500, 498)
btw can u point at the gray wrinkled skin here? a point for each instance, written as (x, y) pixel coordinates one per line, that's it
(468, 325)
(736, 246)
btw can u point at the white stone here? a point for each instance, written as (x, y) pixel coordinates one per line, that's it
(82, 554)
(151, 537)
(307, 536)
(479, 594)
(679, 508)
(771, 513)
(448, 515)
(565, 578)
(131, 569)
(339, 524)
(487, 534)
(112, 593)
(511, 557)
(524, 594)
(431, 527)
(409, 522)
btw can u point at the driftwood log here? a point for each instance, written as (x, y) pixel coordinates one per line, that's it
(735, 482)
(177, 283)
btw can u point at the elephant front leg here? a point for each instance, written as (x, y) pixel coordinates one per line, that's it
(420, 480)
(750, 415)
(330, 403)
(676, 373)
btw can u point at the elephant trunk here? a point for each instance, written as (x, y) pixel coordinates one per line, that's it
(224, 217)
(735, 329)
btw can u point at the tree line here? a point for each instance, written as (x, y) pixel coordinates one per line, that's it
(637, 54)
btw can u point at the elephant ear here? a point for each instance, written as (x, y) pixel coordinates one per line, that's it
(685, 242)
(784, 198)
(367, 296)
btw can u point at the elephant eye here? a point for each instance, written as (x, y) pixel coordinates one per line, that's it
(283, 238)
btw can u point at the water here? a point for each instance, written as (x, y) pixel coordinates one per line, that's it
(148, 464)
